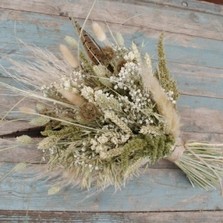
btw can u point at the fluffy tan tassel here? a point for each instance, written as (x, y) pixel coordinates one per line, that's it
(68, 56)
(99, 32)
(72, 97)
(165, 107)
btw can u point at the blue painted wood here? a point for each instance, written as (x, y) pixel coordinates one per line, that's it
(49, 31)
(196, 63)
(155, 190)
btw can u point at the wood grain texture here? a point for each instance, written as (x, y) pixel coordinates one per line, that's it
(54, 7)
(116, 217)
(154, 190)
(49, 31)
(193, 42)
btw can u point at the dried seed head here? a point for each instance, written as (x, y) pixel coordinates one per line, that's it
(72, 97)
(119, 38)
(99, 32)
(108, 52)
(24, 139)
(88, 112)
(71, 41)
(68, 56)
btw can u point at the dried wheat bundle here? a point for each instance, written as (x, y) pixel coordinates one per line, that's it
(106, 112)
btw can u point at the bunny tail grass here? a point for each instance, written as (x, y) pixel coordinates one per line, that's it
(203, 164)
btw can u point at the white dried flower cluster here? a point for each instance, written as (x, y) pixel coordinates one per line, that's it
(83, 157)
(88, 93)
(107, 101)
(109, 138)
(127, 77)
(170, 95)
(120, 51)
(130, 56)
(77, 78)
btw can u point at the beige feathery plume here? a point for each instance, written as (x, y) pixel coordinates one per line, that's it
(27, 110)
(164, 106)
(68, 56)
(72, 97)
(99, 32)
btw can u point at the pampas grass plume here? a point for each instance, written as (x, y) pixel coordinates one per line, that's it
(68, 56)
(165, 107)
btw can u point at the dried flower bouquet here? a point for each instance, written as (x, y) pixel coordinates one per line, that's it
(106, 113)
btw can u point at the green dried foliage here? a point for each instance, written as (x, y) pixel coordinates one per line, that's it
(87, 69)
(162, 73)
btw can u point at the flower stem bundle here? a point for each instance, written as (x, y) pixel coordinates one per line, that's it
(108, 113)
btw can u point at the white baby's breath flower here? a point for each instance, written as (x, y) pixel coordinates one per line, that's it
(130, 56)
(67, 84)
(102, 139)
(88, 93)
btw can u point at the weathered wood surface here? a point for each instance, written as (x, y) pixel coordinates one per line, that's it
(155, 190)
(89, 217)
(194, 47)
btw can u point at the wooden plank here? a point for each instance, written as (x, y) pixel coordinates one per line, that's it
(53, 7)
(116, 217)
(48, 32)
(150, 16)
(155, 190)
(16, 153)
